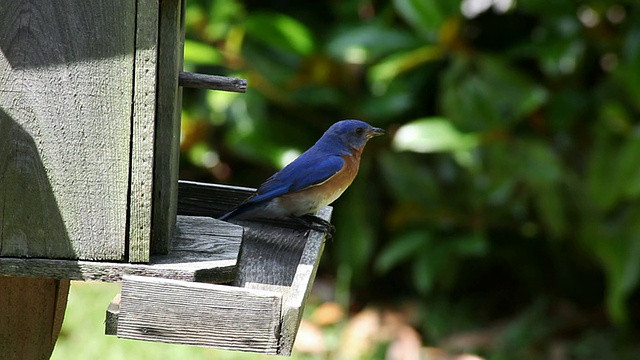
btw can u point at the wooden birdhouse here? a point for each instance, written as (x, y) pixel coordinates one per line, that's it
(90, 100)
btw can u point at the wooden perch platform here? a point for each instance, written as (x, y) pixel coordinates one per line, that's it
(260, 312)
(203, 249)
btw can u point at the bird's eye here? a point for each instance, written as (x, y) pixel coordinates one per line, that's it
(359, 131)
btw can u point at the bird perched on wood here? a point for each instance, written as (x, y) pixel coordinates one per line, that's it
(313, 180)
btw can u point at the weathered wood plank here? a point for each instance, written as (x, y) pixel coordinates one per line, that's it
(168, 111)
(205, 250)
(66, 69)
(203, 199)
(199, 314)
(214, 271)
(200, 238)
(31, 314)
(295, 299)
(269, 254)
(143, 130)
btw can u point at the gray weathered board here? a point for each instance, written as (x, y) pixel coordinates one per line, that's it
(66, 75)
(78, 95)
(203, 249)
(199, 314)
(278, 261)
(168, 112)
(143, 130)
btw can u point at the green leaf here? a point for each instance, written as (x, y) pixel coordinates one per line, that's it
(408, 181)
(425, 16)
(427, 135)
(367, 42)
(486, 94)
(616, 244)
(199, 53)
(550, 206)
(425, 271)
(613, 171)
(627, 72)
(538, 163)
(281, 32)
(395, 102)
(391, 67)
(401, 249)
(473, 244)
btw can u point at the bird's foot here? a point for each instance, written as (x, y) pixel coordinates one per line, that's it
(315, 223)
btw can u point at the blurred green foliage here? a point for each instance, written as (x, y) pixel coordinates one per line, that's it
(511, 169)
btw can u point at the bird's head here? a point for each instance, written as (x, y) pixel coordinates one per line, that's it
(352, 133)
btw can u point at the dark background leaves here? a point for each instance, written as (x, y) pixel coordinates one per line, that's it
(507, 188)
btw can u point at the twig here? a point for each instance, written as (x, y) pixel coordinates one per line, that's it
(212, 82)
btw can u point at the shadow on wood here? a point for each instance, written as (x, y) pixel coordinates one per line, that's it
(25, 193)
(204, 249)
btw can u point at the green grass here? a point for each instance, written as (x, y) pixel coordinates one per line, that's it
(82, 335)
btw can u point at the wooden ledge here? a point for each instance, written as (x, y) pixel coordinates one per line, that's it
(203, 249)
(260, 312)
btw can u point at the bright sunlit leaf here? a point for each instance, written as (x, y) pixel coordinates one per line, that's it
(432, 135)
(200, 53)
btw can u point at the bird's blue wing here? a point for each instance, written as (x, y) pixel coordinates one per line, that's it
(311, 168)
(305, 171)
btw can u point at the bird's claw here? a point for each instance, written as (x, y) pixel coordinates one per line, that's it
(315, 223)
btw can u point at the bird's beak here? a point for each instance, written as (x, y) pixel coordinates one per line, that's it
(374, 131)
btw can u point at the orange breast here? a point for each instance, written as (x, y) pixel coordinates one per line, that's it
(318, 196)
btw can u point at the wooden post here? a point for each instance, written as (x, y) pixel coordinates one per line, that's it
(31, 313)
(168, 112)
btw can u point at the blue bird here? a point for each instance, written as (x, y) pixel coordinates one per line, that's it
(313, 180)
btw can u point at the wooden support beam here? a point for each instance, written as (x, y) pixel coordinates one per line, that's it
(31, 313)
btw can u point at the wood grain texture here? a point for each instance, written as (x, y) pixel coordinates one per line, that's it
(168, 112)
(66, 72)
(212, 82)
(203, 199)
(295, 299)
(112, 315)
(31, 223)
(199, 314)
(143, 130)
(30, 316)
(277, 257)
(206, 250)
(269, 254)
